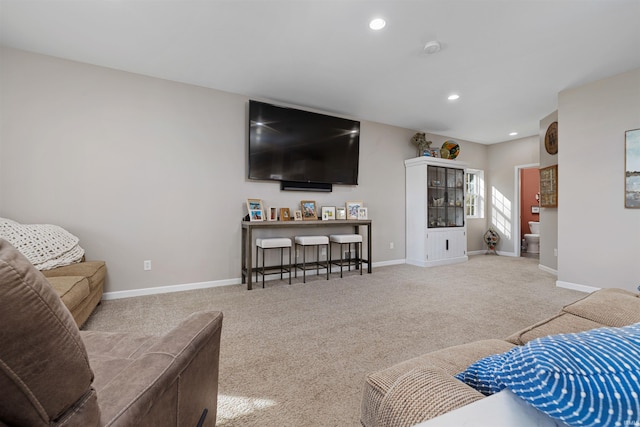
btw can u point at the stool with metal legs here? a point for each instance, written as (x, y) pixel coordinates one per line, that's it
(347, 239)
(273, 243)
(304, 242)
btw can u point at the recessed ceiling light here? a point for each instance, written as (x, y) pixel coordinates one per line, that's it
(453, 97)
(377, 24)
(513, 133)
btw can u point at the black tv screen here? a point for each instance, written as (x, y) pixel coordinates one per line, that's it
(286, 144)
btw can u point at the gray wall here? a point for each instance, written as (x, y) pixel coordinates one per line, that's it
(598, 239)
(141, 168)
(548, 216)
(502, 205)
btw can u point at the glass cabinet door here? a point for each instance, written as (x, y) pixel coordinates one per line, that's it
(445, 191)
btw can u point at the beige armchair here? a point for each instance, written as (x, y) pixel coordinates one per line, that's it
(51, 374)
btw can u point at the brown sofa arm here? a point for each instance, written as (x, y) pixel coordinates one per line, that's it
(171, 383)
(421, 394)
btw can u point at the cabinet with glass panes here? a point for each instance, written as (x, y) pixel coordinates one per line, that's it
(436, 232)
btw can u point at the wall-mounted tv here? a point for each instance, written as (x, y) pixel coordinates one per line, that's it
(296, 146)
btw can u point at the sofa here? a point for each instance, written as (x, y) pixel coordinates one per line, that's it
(53, 374)
(80, 286)
(424, 387)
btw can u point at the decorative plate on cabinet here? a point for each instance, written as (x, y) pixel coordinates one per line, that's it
(452, 147)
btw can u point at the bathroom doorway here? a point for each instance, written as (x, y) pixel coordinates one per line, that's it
(527, 186)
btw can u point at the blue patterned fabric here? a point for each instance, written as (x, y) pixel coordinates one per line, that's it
(589, 378)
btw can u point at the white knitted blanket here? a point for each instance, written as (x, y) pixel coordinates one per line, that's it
(45, 246)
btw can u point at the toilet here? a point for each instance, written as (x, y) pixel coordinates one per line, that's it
(533, 240)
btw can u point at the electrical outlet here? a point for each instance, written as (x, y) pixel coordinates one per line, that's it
(555, 252)
(147, 265)
(391, 245)
(323, 251)
(347, 255)
(297, 253)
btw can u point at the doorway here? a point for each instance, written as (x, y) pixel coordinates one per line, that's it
(527, 187)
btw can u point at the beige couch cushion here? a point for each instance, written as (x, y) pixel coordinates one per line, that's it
(72, 289)
(421, 394)
(559, 324)
(451, 360)
(94, 271)
(609, 307)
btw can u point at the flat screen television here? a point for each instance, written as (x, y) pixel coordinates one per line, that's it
(295, 146)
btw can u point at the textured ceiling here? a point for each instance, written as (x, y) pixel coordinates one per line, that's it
(507, 59)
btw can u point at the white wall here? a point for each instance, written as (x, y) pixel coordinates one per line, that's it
(141, 168)
(598, 239)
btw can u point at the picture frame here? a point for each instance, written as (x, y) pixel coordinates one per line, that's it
(549, 187)
(273, 214)
(256, 210)
(328, 213)
(535, 209)
(362, 213)
(285, 214)
(297, 215)
(632, 169)
(352, 209)
(309, 211)
(341, 212)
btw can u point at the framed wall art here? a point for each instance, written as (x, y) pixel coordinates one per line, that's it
(549, 187)
(256, 211)
(309, 211)
(632, 169)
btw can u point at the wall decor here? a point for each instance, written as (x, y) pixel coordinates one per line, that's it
(341, 212)
(256, 211)
(309, 211)
(352, 209)
(549, 187)
(632, 169)
(328, 213)
(362, 213)
(450, 150)
(297, 215)
(285, 214)
(551, 139)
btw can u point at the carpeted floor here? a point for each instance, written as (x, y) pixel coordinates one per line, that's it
(297, 355)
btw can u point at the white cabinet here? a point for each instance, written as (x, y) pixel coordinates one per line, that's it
(435, 218)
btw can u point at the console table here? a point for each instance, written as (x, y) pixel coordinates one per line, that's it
(249, 226)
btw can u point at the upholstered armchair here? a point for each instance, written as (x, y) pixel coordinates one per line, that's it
(52, 374)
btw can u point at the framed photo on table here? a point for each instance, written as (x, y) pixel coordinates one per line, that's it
(297, 215)
(273, 214)
(285, 214)
(341, 212)
(352, 209)
(328, 213)
(362, 213)
(309, 211)
(256, 211)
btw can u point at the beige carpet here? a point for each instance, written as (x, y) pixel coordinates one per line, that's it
(297, 355)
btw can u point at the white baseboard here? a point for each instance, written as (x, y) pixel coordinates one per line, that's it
(390, 262)
(576, 287)
(169, 288)
(216, 283)
(548, 269)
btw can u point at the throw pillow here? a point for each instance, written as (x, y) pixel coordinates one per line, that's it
(590, 378)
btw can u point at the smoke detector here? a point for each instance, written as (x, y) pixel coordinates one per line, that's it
(432, 47)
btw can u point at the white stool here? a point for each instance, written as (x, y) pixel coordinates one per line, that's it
(316, 241)
(273, 243)
(348, 239)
